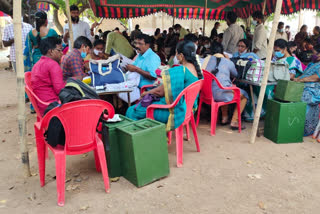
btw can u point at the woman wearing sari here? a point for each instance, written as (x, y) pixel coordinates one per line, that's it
(311, 93)
(175, 80)
(281, 54)
(32, 52)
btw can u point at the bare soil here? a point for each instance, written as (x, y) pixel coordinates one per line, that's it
(229, 175)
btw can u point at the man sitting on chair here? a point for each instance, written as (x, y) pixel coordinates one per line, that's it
(147, 61)
(46, 74)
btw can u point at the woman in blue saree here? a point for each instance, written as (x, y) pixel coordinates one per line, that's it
(311, 93)
(32, 52)
(175, 80)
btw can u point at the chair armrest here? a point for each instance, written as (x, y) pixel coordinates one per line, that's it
(145, 87)
(151, 108)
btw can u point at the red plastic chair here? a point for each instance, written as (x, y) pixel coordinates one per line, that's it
(34, 99)
(207, 97)
(79, 120)
(190, 94)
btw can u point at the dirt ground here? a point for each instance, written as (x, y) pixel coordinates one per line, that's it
(229, 175)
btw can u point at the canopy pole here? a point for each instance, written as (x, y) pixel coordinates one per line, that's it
(174, 5)
(20, 87)
(70, 24)
(205, 18)
(300, 16)
(264, 7)
(266, 71)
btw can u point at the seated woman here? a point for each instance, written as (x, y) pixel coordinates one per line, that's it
(292, 49)
(97, 53)
(175, 80)
(244, 46)
(311, 93)
(46, 75)
(223, 71)
(281, 54)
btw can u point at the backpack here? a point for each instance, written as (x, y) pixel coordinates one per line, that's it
(73, 91)
(242, 66)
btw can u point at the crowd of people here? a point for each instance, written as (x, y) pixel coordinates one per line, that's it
(47, 57)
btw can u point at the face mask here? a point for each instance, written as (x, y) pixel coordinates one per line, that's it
(83, 54)
(176, 61)
(75, 19)
(281, 30)
(207, 46)
(278, 54)
(196, 47)
(96, 52)
(314, 58)
(254, 23)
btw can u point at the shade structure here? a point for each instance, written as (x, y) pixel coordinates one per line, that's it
(184, 9)
(194, 9)
(43, 6)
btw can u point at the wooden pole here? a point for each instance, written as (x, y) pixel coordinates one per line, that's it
(70, 25)
(264, 7)
(20, 86)
(173, 13)
(205, 18)
(266, 71)
(301, 14)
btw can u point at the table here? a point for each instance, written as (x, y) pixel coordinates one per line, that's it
(113, 92)
(250, 83)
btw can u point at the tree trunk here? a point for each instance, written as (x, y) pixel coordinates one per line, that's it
(57, 22)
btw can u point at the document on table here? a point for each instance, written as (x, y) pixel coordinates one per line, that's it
(125, 61)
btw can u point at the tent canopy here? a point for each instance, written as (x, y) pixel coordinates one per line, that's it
(184, 9)
(194, 9)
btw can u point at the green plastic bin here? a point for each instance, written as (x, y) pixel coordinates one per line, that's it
(284, 122)
(289, 91)
(112, 151)
(143, 151)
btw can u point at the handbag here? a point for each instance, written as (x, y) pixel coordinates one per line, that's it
(147, 100)
(242, 66)
(255, 72)
(106, 71)
(279, 71)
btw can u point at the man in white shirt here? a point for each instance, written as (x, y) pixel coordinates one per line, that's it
(8, 40)
(79, 27)
(280, 32)
(232, 35)
(259, 44)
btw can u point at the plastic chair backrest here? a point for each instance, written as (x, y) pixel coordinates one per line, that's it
(34, 99)
(190, 95)
(79, 120)
(206, 90)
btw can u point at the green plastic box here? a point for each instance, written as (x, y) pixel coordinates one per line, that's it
(112, 151)
(143, 151)
(289, 91)
(284, 122)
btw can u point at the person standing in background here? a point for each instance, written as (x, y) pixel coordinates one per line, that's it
(8, 40)
(280, 32)
(214, 31)
(233, 34)
(79, 27)
(135, 33)
(260, 43)
(288, 32)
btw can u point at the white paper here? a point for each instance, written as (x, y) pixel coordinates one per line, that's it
(125, 61)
